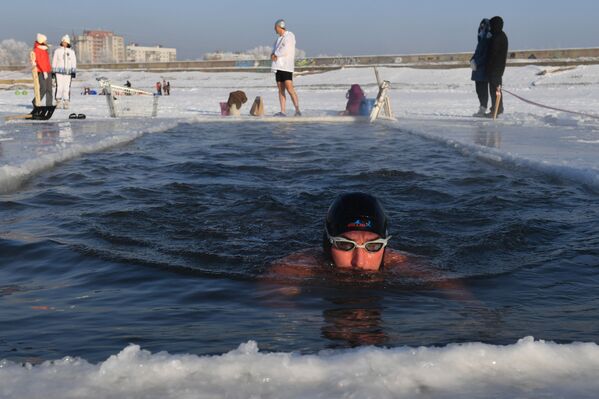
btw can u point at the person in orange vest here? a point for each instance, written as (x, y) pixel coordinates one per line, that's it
(40, 59)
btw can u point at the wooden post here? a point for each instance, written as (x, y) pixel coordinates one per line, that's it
(387, 103)
(378, 78)
(36, 80)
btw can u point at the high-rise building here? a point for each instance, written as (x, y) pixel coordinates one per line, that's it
(98, 47)
(136, 53)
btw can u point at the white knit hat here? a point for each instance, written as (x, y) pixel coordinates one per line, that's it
(66, 39)
(41, 39)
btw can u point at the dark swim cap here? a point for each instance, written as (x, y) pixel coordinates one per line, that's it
(355, 211)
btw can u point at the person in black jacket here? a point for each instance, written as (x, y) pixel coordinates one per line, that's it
(478, 63)
(496, 61)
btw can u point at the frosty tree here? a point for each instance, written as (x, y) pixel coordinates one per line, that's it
(13, 52)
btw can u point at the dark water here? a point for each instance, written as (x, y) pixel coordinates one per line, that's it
(163, 243)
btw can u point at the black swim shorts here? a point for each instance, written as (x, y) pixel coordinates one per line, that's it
(282, 76)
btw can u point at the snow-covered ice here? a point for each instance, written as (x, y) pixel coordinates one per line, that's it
(526, 369)
(433, 103)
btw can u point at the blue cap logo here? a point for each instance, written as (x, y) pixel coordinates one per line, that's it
(360, 224)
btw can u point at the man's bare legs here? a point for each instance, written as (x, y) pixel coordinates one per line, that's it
(282, 98)
(291, 90)
(284, 87)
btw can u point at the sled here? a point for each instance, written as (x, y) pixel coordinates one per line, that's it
(38, 114)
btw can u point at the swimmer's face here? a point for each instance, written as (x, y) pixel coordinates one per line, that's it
(358, 258)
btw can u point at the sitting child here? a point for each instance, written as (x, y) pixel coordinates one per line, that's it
(236, 100)
(354, 96)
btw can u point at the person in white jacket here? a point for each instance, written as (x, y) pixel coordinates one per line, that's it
(283, 64)
(64, 67)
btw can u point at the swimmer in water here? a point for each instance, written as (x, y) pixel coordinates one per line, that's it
(355, 238)
(356, 234)
(355, 249)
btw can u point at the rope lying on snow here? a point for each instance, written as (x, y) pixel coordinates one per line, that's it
(548, 107)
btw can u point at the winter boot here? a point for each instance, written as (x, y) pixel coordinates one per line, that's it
(66, 104)
(59, 104)
(481, 112)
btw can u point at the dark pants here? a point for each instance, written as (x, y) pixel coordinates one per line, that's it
(45, 88)
(482, 90)
(495, 82)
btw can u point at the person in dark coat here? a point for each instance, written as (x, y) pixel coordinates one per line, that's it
(478, 62)
(497, 57)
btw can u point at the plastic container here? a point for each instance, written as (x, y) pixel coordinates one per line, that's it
(366, 106)
(224, 109)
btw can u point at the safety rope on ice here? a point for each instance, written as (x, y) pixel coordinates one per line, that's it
(549, 107)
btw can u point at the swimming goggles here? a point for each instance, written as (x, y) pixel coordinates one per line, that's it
(344, 244)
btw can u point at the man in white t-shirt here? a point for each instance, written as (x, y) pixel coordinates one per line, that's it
(283, 64)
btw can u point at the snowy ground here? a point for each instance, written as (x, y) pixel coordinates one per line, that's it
(527, 369)
(433, 103)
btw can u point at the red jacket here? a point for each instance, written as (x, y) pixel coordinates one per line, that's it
(42, 58)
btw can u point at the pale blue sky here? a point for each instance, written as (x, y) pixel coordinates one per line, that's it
(349, 27)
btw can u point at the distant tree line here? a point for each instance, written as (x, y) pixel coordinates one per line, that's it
(13, 52)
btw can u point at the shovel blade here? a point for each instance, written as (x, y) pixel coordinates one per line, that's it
(42, 113)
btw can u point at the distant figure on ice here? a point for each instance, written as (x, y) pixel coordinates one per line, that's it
(64, 65)
(283, 65)
(498, 47)
(40, 59)
(355, 96)
(158, 88)
(167, 88)
(127, 85)
(478, 63)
